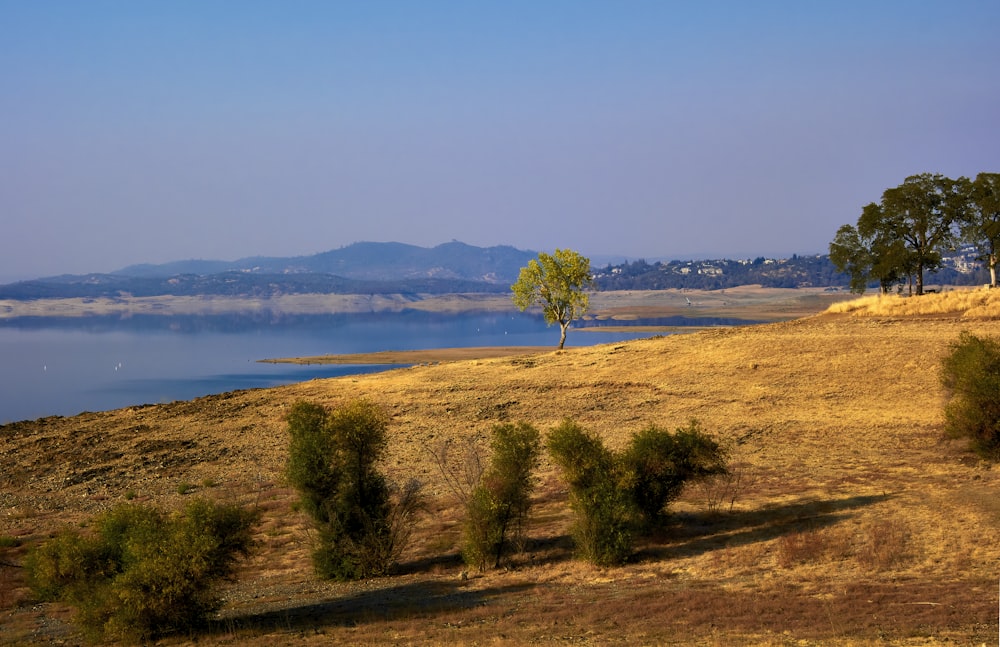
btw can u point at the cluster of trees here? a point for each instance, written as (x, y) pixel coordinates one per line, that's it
(904, 234)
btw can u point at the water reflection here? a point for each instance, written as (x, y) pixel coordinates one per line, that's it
(62, 366)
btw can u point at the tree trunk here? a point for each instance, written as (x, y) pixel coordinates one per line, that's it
(993, 270)
(563, 327)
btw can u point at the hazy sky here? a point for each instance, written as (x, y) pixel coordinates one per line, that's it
(165, 130)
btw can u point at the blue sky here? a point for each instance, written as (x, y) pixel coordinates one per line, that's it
(155, 131)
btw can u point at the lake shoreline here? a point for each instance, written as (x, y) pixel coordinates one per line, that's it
(409, 357)
(749, 302)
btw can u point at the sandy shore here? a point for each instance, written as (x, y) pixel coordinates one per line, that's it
(750, 302)
(430, 356)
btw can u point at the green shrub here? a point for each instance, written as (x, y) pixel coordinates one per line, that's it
(616, 495)
(143, 572)
(658, 464)
(361, 526)
(971, 374)
(605, 512)
(497, 509)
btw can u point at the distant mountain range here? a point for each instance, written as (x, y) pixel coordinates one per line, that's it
(368, 262)
(396, 268)
(361, 268)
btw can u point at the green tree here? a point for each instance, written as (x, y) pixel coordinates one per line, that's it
(971, 374)
(981, 219)
(498, 506)
(903, 235)
(869, 256)
(922, 213)
(558, 283)
(143, 572)
(332, 463)
(852, 256)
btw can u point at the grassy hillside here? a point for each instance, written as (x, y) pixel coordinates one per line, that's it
(856, 521)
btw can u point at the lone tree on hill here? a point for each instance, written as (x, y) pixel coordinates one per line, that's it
(558, 284)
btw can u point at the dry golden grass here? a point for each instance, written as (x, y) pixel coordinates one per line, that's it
(859, 523)
(971, 303)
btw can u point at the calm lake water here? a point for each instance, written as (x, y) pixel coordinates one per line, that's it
(53, 366)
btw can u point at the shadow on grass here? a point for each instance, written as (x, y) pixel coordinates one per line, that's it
(694, 534)
(412, 600)
(434, 563)
(684, 535)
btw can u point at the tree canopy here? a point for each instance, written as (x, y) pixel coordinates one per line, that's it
(558, 283)
(904, 234)
(980, 221)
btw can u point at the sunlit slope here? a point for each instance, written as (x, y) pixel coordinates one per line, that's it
(862, 390)
(854, 496)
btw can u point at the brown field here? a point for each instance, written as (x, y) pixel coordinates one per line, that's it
(855, 521)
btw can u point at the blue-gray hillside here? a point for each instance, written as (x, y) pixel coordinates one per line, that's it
(369, 262)
(232, 284)
(395, 268)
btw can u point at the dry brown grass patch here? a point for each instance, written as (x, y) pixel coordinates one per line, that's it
(885, 544)
(971, 303)
(860, 526)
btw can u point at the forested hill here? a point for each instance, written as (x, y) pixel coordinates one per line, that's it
(367, 262)
(795, 272)
(391, 268)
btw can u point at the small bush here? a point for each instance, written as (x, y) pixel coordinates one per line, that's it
(143, 572)
(604, 510)
(971, 374)
(616, 495)
(497, 508)
(361, 526)
(659, 464)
